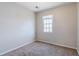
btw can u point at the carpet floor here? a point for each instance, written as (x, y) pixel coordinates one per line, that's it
(42, 49)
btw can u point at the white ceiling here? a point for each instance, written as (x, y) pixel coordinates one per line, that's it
(41, 5)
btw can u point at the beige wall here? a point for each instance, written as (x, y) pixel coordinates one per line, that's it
(64, 26)
(78, 28)
(17, 26)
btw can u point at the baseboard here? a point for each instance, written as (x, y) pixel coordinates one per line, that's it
(57, 44)
(16, 48)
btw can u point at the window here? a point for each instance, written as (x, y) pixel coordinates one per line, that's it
(47, 23)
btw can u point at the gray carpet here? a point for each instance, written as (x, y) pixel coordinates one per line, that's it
(42, 49)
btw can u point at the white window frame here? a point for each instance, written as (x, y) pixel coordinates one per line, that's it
(47, 23)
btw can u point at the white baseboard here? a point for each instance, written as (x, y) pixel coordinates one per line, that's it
(57, 44)
(16, 48)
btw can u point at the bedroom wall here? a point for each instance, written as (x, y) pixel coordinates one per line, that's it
(17, 26)
(64, 26)
(78, 28)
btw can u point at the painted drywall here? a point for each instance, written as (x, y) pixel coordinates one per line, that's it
(64, 26)
(17, 26)
(78, 28)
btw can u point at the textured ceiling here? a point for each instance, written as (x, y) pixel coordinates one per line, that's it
(41, 5)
